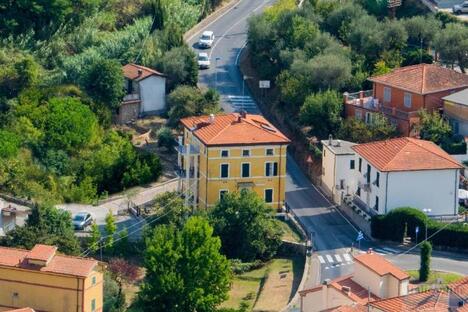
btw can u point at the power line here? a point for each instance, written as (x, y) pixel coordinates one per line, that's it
(145, 39)
(87, 251)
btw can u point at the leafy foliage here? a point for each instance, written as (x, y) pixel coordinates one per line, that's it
(246, 226)
(184, 269)
(433, 127)
(9, 144)
(322, 112)
(425, 264)
(358, 131)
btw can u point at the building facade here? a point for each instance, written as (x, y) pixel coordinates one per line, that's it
(46, 281)
(456, 111)
(145, 92)
(402, 93)
(227, 153)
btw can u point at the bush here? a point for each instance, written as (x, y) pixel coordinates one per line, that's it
(239, 267)
(392, 225)
(165, 138)
(425, 265)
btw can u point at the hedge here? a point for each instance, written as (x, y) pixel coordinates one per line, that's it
(392, 227)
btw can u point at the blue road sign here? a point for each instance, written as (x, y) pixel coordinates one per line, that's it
(360, 236)
(417, 230)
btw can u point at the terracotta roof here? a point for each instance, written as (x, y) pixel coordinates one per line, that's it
(432, 300)
(131, 72)
(460, 288)
(423, 79)
(42, 252)
(380, 265)
(21, 310)
(405, 154)
(357, 293)
(59, 264)
(348, 308)
(232, 129)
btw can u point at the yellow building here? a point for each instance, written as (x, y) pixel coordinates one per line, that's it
(46, 281)
(231, 152)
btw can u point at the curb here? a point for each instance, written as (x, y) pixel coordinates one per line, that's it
(210, 18)
(305, 275)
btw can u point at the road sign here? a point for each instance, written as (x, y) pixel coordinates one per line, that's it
(264, 84)
(393, 3)
(416, 229)
(360, 236)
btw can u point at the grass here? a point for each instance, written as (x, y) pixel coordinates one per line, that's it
(445, 277)
(268, 288)
(290, 233)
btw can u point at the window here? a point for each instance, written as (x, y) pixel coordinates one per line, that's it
(358, 114)
(351, 164)
(268, 195)
(222, 193)
(368, 173)
(269, 152)
(224, 170)
(358, 191)
(377, 179)
(93, 305)
(93, 280)
(407, 100)
(387, 94)
(342, 184)
(271, 169)
(376, 207)
(360, 164)
(245, 170)
(246, 153)
(224, 153)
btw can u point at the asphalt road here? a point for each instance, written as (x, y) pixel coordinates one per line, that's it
(331, 233)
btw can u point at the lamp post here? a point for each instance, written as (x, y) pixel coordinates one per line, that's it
(216, 71)
(426, 211)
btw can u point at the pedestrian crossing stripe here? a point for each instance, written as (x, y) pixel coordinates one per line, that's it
(347, 257)
(241, 102)
(338, 258)
(321, 259)
(329, 258)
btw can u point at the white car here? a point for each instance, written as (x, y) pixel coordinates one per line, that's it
(203, 60)
(206, 39)
(460, 8)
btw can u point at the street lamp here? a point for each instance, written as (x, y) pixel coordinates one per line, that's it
(216, 71)
(427, 212)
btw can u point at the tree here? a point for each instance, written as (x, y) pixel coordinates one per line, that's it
(452, 44)
(425, 264)
(159, 15)
(169, 208)
(69, 125)
(103, 80)
(180, 66)
(322, 112)
(110, 227)
(166, 138)
(366, 38)
(246, 226)
(46, 225)
(421, 29)
(358, 131)
(433, 127)
(339, 20)
(9, 144)
(123, 272)
(95, 238)
(184, 269)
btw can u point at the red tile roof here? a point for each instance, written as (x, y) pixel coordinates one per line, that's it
(432, 300)
(423, 79)
(460, 288)
(380, 265)
(21, 310)
(349, 308)
(131, 72)
(232, 129)
(405, 154)
(42, 252)
(59, 264)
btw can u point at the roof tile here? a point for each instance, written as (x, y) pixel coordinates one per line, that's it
(432, 300)
(406, 154)
(460, 288)
(380, 265)
(423, 79)
(232, 129)
(131, 72)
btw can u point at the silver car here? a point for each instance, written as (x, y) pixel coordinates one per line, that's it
(82, 220)
(460, 8)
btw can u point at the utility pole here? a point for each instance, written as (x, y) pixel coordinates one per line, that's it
(216, 71)
(426, 211)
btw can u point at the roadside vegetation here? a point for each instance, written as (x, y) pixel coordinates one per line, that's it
(435, 277)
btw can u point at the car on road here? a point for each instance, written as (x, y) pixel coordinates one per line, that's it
(206, 39)
(203, 61)
(460, 8)
(82, 220)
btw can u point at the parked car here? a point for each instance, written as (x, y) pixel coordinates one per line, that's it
(460, 8)
(82, 220)
(203, 60)
(206, 39)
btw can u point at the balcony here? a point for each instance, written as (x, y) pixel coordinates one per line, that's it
(362, 99)
(398, 113)
(182, 149)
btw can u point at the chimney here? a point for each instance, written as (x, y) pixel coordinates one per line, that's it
(327, 281)
(243, 114)
(212, 118)
(346, 289)
(338, 143)
(140, 72)
(330, 139)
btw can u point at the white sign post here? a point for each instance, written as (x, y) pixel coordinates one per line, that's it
(264, 84)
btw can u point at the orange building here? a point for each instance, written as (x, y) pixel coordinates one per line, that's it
(400, 94)
(43, 280)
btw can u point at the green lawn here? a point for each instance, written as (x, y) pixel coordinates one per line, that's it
(268, 288)
(290, 233)
(446, 278)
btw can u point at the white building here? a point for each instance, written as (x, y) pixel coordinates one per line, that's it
(338, 163)
(145, 92)
(403, 172)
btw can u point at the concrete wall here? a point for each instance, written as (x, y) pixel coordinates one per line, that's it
(323, 299)
(334, 169)
(368, 279)
(153, 94)
(370, 198)
(328, 169)
(429, 189)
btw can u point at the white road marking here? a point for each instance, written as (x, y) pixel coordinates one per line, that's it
(326, 268)
(321, 259)
(329, 258)
(338, 258)
(380, 251)
(391, 250)
(347, 257)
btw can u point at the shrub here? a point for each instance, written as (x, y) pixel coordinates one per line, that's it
(425, 265)
(392, 225)
(165, 138)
